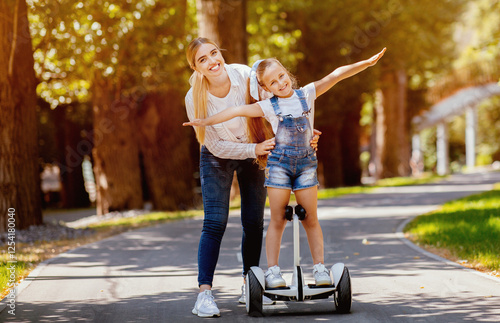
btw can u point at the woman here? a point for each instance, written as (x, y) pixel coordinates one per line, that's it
(225, 148)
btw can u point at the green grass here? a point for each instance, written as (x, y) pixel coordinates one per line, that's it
(5, 273)
(469, 228)
(145, 220)
(405, 181)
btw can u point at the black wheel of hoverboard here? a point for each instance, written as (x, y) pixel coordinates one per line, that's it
(343, 300)
(254, 295)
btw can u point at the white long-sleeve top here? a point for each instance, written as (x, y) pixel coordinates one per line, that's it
(228, 140)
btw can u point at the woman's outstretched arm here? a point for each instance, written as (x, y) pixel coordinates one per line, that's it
(249, 110)
(344, 72)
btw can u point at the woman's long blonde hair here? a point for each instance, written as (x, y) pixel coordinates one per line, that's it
(258, 128)
(200, 85)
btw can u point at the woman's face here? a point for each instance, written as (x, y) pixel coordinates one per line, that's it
(277, 80)
(209, 61)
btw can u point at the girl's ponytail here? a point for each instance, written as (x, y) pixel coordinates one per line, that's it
(258, 130)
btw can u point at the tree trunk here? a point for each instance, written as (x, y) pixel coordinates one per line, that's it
(350, 133)
(224, 21)
(393, 145)
(165, 147)
(329, 155)
(19, 169)
(404, 124)
(72, 149)
(116, 152)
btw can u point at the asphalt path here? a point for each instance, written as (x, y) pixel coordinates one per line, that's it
(149, 275)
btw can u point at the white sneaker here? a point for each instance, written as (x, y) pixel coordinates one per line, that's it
(205, 305)
(274, 278)
(265, 300)
(321, 275)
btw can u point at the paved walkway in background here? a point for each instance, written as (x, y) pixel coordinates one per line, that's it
(149, 275)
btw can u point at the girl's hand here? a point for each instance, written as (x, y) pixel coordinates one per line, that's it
(265, 147)
(374, 59)
(195, 123)
(314, 140)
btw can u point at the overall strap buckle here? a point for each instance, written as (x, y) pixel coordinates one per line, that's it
(303, 102)
(276, 107)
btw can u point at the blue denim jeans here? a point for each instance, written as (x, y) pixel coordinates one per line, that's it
(216, 179)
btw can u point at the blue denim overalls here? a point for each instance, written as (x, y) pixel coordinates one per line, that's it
(293, 163)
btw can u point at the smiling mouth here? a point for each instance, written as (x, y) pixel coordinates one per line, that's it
(215, 68)
(284, 87)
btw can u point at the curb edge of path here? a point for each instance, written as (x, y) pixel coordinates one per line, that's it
(399, 233)
(28, 279)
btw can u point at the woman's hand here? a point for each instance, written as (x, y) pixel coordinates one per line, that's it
(195, 123)
(314, 140)
(265, 147)
(374, 59)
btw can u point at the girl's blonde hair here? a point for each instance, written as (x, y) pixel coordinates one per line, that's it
(269, 62)
(200, 85)
(258, 128)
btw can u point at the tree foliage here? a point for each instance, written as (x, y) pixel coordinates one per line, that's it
(114, 54)
(140, 43)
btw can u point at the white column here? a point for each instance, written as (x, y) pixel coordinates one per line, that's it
(416, 161)
(415, 143)
(470, 136)
(442, 149)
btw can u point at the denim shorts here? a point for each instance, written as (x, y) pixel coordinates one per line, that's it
(291, 170)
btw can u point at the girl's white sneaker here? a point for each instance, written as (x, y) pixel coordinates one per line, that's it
(274, 278)
(321, 275)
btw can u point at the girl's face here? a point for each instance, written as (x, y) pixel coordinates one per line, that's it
(276, 80)
(209, 61)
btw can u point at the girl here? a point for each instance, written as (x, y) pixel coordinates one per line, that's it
(225, 148)
(292, 164)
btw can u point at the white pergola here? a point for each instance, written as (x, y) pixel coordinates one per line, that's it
(464, 101)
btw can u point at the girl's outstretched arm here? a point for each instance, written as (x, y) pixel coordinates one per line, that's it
(344, 72)
(249, 110)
